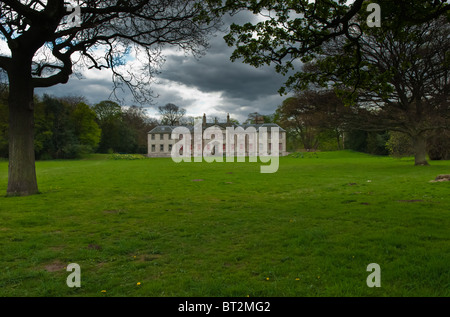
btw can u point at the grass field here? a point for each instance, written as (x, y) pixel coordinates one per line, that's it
(152, 227)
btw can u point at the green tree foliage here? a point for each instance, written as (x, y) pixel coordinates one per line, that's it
(291, 31)
(115, 136)
(316, 118)
(64, 130)
(85, 126)
(399, 144)
(55, 136)
(107, 110)
(136, 118)
(368, 141)
(438, 145)
(124, 130)
(398, 72)
(67, 127)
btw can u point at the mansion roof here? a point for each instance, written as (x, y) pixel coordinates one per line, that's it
(222, 126)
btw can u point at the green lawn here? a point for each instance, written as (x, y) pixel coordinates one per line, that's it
(225, 229)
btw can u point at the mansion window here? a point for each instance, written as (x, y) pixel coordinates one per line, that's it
(161, 147)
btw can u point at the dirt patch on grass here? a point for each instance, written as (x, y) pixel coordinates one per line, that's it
(147, 257)
(55, 266)
(57, 248)
(114, 211)
(94, 247)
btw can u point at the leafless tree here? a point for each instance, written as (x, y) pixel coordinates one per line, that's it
(171, 114)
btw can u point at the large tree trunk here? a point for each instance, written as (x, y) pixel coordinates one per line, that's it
(22, 173)
(420, 149)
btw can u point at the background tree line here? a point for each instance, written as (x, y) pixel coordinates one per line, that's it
(69, 128)
(319, 120)
(395, 79)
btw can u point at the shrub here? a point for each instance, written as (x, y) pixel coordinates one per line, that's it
(328, 141)
(118, 156)
(438, 145)
(367, 142)
(399, 144)
(74, 150)
(376, 143)
(356, 140)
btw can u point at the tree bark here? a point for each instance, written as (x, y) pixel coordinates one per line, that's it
(338, 139)
(420, 149)
(22, 172)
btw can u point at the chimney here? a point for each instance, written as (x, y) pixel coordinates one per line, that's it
(204, 121)
(259, 119)
(228, 119)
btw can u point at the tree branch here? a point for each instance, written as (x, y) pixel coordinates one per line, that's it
(5, 62)
(23, 9)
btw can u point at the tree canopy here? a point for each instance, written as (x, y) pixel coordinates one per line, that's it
(107, 33)
(291, 32)
(397, 75)
(399, 80)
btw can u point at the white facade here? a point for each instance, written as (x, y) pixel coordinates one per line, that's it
(160, 141)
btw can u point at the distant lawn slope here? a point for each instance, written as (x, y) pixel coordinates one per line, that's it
(225, 229)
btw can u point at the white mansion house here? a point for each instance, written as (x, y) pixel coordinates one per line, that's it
(256, 137)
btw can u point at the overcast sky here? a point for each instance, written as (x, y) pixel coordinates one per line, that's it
(212, 84)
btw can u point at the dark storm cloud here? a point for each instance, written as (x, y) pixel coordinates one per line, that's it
(211, 84)
(243, 88)
(95, 90)
(215, 72)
